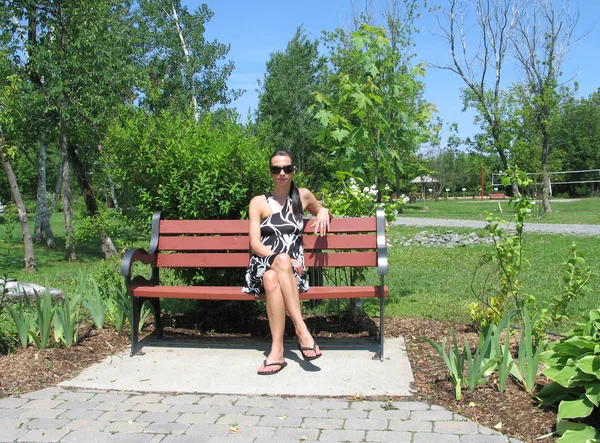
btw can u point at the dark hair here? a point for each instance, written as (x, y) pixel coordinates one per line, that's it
(294, 193)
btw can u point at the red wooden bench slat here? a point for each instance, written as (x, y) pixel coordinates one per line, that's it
(235, 292)
(240, 260)
(176, 227)
(241, 243)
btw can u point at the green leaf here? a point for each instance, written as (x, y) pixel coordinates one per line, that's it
(590, 364)
(340, 134)
(579, 408)
(576, 433)
(566, 376)
(324, 116)
(592, 392)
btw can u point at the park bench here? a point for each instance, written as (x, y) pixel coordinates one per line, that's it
(497, 196)
(350, 242)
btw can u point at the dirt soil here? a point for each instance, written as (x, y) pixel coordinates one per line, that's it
(513, 412)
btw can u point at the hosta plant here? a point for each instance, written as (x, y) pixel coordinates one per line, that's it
(573, 365)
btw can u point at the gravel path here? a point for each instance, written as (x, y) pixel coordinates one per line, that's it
(541, 228)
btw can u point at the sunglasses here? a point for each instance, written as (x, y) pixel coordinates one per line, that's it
(288, 169)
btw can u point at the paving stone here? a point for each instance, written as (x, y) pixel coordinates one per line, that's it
(293, 403)
(219, 400)
(347, 413)
(75, 396)
(110, 396)
(43, 435)
(41, 413)
(411, 425)
(186, 439)
(11, 434)
(278, 422)
(483, 439)
(11, 423)
(341, 435)
(198, 409)
(167, 428)
(90, 425)
(164, 417)
(119, 416)
(151, 407)
(323, 423)
(256, 401)
(455, 427)
(78, 405)
(12, 402)
(389, 436)
(411, 406)
(204, 430)
(389, 414)
(366, 405)
(231, 439)
(114, 406)
(146, 398)
(122, 437)
(227, 409)
(331, 403)
(287, 412)
(81, 414)
(49, 424)
(10, 413)
(42, 404)
(43, 394)
(431, 415)
(126, 426)
(366, 424)
(192, 418)
(85, 435)
(258, 431)
(247, 420)
(182, 399)
(431, 437)
(295, 434)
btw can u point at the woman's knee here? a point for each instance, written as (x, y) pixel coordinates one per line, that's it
(270, 280)
(282, 262)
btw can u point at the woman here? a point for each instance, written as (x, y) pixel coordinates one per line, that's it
(277, 263)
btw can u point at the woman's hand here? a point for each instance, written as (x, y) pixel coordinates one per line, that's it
(297, 267)
(321, 222)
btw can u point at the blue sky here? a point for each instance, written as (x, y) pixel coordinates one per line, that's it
(255, 29)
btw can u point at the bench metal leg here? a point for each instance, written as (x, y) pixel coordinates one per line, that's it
(136, 306)
(381, 320)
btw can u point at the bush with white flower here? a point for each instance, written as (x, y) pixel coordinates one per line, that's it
(356, 200)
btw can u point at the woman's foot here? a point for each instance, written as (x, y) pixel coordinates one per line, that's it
(271, 368)
(308, 347)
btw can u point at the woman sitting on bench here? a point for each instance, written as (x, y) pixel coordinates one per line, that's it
(277, 263)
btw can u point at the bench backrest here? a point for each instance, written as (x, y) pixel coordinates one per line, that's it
(224, 243)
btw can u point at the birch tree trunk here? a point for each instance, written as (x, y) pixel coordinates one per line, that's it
(66, 191)
(42, 220)
(30, 264)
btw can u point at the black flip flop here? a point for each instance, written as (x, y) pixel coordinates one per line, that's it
(314, 348)
(281, 366)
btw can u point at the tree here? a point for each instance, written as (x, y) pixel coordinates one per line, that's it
(285, 96)
(543, 37)
(478, 48)
(183, 69)
(371, 109)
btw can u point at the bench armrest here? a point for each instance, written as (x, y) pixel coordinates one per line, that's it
(131, 257)
(382, 258)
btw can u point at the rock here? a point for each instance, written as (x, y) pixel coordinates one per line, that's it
(15, 289)
(448, 240)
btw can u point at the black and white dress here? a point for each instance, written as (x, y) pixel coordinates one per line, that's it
(283, 235)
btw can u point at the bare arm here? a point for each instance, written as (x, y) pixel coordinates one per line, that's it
(322, 214)
(257, 205)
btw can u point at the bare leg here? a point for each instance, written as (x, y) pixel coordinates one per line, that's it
(282, 265)
(276, 315)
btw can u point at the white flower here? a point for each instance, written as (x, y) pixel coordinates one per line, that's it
(366, 190)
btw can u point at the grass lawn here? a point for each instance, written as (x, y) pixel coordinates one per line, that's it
(424, 282)
(578, 211)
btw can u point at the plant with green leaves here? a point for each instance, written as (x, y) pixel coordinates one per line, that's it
(118, 306)
(573, 365)
(507, 257)
(92, 299)
(44, 309)
(576, 276)
(530, 349)
(454, 358)
(23, 318)
(66, 320)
